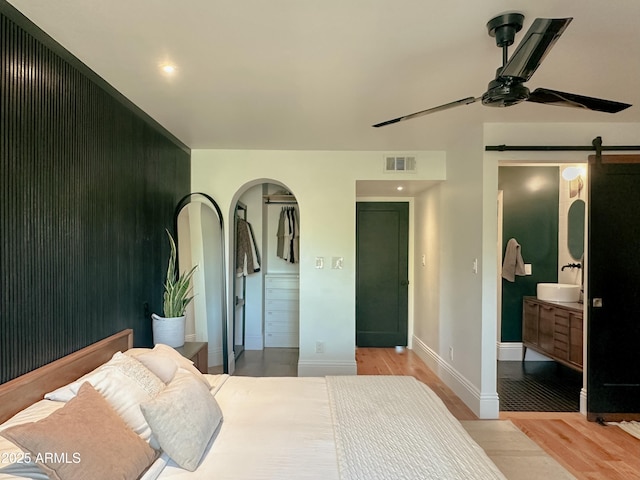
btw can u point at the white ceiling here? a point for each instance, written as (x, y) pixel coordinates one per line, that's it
(316, 74)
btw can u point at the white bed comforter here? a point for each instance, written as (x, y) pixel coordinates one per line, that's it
(272, 428)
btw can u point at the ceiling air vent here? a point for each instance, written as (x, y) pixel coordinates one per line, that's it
(399, 163)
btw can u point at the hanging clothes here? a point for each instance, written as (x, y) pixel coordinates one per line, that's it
(288, 245)
(247, 257)
(295, 237)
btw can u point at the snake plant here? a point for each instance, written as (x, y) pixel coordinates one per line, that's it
(177, 288)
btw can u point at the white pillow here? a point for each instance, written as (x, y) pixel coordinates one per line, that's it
(125, 383)
(168, 353)
(183, 417)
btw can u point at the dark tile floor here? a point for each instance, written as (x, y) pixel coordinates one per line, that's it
(538, 387)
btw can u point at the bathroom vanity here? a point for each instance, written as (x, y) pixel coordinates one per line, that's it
(553, 329)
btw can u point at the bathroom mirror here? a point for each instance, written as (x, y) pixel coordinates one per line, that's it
(575, 229)
(200, 241)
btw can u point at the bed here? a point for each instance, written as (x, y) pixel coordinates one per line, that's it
(112, 411)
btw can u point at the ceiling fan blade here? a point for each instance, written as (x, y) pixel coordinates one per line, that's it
(464, 101)
(542, 35)
(563, 99)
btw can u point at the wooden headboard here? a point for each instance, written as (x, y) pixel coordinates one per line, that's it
(19, 393)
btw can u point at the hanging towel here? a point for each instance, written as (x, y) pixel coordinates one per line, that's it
(513, 264)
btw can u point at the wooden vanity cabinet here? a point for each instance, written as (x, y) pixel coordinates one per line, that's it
(554, 330)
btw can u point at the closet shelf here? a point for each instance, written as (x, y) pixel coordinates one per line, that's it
(280, 199)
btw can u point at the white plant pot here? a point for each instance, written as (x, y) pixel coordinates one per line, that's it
(168, 330)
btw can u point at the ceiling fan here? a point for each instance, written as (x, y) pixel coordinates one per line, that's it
(508, 87)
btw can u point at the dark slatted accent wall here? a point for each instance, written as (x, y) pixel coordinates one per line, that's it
(87, 186)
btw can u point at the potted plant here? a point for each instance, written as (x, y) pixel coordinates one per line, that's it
(177, 295)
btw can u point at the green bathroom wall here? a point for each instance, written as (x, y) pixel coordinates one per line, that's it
(530, 215)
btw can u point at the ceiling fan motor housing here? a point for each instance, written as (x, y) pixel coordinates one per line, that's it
(504, 94)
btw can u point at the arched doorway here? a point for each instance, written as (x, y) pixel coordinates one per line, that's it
(264, 279)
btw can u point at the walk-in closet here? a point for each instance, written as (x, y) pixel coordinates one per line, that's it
(266, 286)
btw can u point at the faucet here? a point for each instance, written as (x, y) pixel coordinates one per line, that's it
(571, 265)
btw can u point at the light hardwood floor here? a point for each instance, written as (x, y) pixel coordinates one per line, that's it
(586, 449)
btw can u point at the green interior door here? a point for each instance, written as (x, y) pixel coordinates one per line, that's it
(382, 264)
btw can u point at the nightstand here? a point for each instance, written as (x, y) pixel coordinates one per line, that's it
(197, 352)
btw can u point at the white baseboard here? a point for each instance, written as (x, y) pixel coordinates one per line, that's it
(215, 357)
(484, 405)
(316, 368)
(512, 352)
(583, 401)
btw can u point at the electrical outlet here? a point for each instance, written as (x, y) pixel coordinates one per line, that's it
(319, 347)
(451, 353)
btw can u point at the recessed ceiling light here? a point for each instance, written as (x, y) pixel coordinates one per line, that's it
(400, 188)
(168, 68)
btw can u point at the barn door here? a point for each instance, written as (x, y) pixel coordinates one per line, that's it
(613, 265)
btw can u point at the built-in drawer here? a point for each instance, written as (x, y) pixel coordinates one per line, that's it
(290, 316)
(290, 282)
(281, 305)
(281, 293)
(280, 327)
(285, 340)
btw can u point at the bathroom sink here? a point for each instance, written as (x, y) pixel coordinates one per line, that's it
(558, 292)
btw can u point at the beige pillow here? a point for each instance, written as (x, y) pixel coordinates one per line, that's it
(125, 383)
(183, 418)
(85, 439)
(164, 368)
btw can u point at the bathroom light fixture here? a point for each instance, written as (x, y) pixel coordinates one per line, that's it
(571, 173)
(574, 175)
(399, 188)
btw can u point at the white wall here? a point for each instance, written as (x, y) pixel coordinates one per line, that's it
(324, 185)
(451, 332)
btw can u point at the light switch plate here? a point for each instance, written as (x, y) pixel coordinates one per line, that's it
(319, 262)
